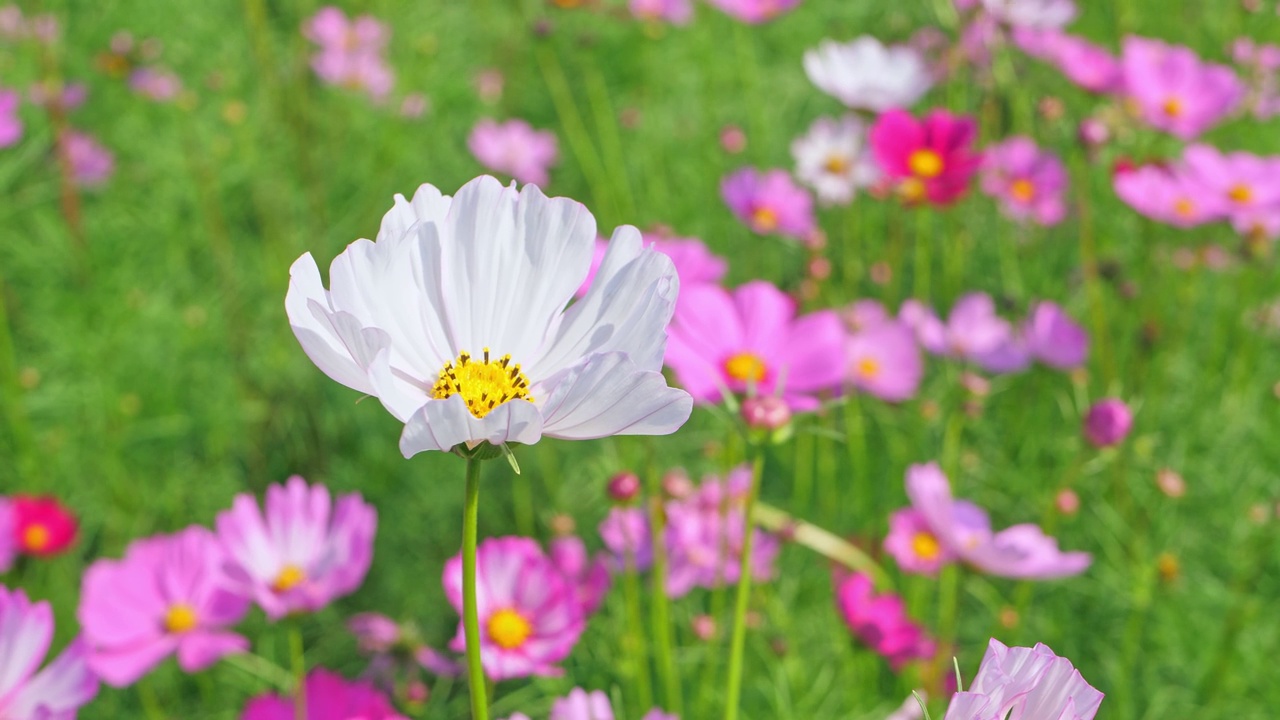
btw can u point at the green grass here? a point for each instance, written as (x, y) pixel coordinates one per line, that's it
(153, 374)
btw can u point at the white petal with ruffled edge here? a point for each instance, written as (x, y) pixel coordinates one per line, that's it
(445, 424)
(608, 395)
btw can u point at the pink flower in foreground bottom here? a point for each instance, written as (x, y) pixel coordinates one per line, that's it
(304, 553)
(882, 623)
(328, 697)
(514, 148)
(1025, 684)
(55, 693)
(769, 202)
(166, 596)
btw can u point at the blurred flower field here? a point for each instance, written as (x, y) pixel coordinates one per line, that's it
(803, 358)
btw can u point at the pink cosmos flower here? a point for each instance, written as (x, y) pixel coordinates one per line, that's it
(885, 361)
(582, 705)
(1263, 223)
(750, 341)
(1021, 551)
(1029, 182)
(514, 148)
(588, 576)
(832, 159)
(155, 83)
(328, 697)
(351, 51)
(10, 124)
(167, 595)
(913, 545)
(1167, 196)
(42, 526)
(1174, 90)
(705, 535)
(91, 163)
(695, 264)
(1054, 338)
(304, 553)
(769, 202)
(530, 618)
(755, 11)
(677, 12)
(375, 633)
(931, 159)
(1242, 183)
(1025, 684)
(8, 535)
(864, 314)
(1091, 67)
(57, 691)
(973, 328)
(881, 622)
(625, 532)
(1051, 14)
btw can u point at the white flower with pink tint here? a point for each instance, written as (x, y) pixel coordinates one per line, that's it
(57, 691)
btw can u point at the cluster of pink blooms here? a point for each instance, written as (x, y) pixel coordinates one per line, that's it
(1261, 66)
(351, 52)
(34, 526)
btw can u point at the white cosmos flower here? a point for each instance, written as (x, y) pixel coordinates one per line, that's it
(456, 319)
(865, 73)
(832, 159)
(1036, 14)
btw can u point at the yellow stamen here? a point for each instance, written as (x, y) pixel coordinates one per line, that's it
(868, 368)
(925, 163)
(1184, 208)
(836, 165)
(925, 546)
(745, 367)
(764, 219)
(484, 384)
(181, 618)
(1241, 193)
(912, 190)
(1023, 190)
(289, 578)
(509, 629)
(1172, 107)
(35, 538)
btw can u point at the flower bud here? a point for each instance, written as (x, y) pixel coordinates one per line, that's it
(624, 487)
(765, 412)
(1108, 422)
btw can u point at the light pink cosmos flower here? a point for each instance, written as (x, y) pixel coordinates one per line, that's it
(1054, 338)
(913, 545)
(694, 262)
(750, 340)
(1174, 90)
(866, 74)
(155, 83)
(1030, 183)
(10, 124)
(625, 532)
(833, 159)
(755, 11)
(769, 202)
(1021, 551)
(881, 621)
(972, 329)
(530, 618)
(167, 595)
(351, 51)
(328, 695)
(1168, 196)
(1052, 14)
(8, 535)
(582, 705)
(1025, 684)
(1242, 183)
(931, 158)
(91, 163)
(306, 550)
(1090, 66)
(514, 148)
(677, 12)
(884, 360)
(588, 576)
(57, 691)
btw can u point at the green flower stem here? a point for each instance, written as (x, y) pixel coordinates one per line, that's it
(637, 647)
(825, 543)
(470, 615)
(924, 228)
(298, 661)
(659, 612)
(733, 692)
(262, 669)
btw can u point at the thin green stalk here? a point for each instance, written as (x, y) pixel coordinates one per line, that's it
(262, 669)
(470, 614)
(855, 429)
(638, 647)
(298, 661)
(1089, 269)
(659, 612)
(575, 129)
(12, 394)
(150, 703)
(733, 692)
(802, 488)
(924, 223)
(948, 609)
(606, 120)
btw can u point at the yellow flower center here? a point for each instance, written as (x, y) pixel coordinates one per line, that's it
(1023, 190)
(1184, 208)
(1172, 107)
(509, 629)
(912, 190)
(1241, 193)
(836, 165)
(745, 367)
(925, 163)
(484, 384)
(180, 618)
(764, 219)
(289, 578)
(868, 367)
(925, 546)
(35, 538)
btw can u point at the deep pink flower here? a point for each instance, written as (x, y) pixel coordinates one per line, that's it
(530, 618)
(750, 340)
(42, 526)
(1021, 551)
(1174, 90)
(755, 11)
(304, 553)
(882, 623)
(769, 202)
(1167, 196)
(885, 361)
(514, 148)
(931, 159)
(351, 51)
(167, 595)
(677, 12)
(694, 263)
(1030, 183)
(589, 577)
(10, 124)
(1243, 184)
(91, 163)
(1108, 422)
(1025, 684)
(328, 697)
(58, 691)
(8, 535)
(913, 545)
(1055, 339)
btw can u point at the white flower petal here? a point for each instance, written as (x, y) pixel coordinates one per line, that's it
(399, 393)
(609, 395)
(428, 205)
(444, 424)
(335, 341)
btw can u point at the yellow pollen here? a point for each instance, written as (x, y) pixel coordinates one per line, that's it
(180, 618)
(912, 190)
(509, 629)
(484, 384)
(35, 538)
(1241, 194)
(925, 163)
(289, 578)
(745, 367)
(764, 219)
(925, 546)
(1172, 107)
(1023, 190)
(836, 165)
(1184, 208)
(868, 367)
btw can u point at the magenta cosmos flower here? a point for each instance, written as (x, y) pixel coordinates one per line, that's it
(1025, 684)
(755, 11)
(57, 691)
(304, 553)
(329, 697)
(931, 159)
(750, 341)
(769, 202)
(881, 622)
(10, 124)
(913, 545)
(676, 12)
(1168, 196)
(9, 545)
(1243, 184)
(1108, 422)
(458, 320)
(351, 51)
(694, 263)
(1048, 334)
(530, 617)
(866, 74)
(1030, 183)
(514, 148)
(884, 361)
(1174, 90)
(167, 595)
(1087, 65)
(963, 530)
